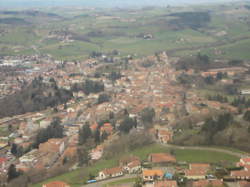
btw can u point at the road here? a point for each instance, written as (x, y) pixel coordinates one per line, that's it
(230, 152)
(102, 183)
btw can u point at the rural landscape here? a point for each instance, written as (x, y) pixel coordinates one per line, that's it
(125, 94)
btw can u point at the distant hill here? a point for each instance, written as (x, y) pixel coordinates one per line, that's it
(103, 3)
(13, 21)
(35, 97)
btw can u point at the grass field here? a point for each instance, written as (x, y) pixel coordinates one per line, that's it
(75, 178)
(123, 181)
(119, 32)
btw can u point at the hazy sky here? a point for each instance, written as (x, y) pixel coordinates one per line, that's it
(101, 3)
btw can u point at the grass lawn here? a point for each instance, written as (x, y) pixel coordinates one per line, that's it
(203, 156)
(123, 181)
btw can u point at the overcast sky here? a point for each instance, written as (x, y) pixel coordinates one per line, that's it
(102, 3)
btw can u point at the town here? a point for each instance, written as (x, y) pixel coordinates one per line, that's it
(111, 96)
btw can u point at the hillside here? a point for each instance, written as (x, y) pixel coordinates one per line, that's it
(35, 97)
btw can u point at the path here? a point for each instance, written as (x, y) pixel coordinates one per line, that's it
(230, 152)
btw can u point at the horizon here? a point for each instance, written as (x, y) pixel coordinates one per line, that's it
(105, 3)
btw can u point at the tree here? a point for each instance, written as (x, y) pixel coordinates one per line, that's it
(147, 115)
(247, 116)
(83, 156)
(12, 172)
(103, 98)
(97, 136)
(104, 136)
(84, 134)
(127, 124)
(13, 149)
(54, 130)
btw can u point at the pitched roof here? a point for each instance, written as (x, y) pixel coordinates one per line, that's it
(111, 171)
(2, 160)
(241, 173)
(247, 159)
(195, 172)
(244, 184)
(161, 157)
(127, 160)
(165, 184)
(199, 166)
(56, 184)
(134, 163)
(202, 183)
(152, 172)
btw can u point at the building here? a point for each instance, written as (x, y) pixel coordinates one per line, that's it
(110, 173)
(240, 175)
(161, 158)
(198, 166)
(164, 136)
(243, 162)
(152, 175)
(56, 184)
(195, 174)
(3, 163)
(55, 145)
(167, 183)
(133, 167)
(203, 183)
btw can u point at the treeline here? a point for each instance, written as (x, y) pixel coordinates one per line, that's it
(89, 86)
(241, 102)
(200, 62)
(35, 97)
(218, 97)
(193, 20)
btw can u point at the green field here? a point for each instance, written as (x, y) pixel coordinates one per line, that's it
(119, 30)
(123, 181)
(75, 178)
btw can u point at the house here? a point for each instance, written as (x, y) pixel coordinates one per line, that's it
(110, 173)
(96, 153)
(53, 145)
(127, 160)
(240, 175)
(164, 136)
(199, 166)
(161, 158)
(195, 174)
(204, 183)
(107, 127)
(151, 175)
(243, 162)
(243, 184)
(133, 167)
(3, 162)
(56, 184)
(167, 183)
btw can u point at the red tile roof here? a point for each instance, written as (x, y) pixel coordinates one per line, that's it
(195, 172)
(199, 166)
(161, 157)
(2, 160)
(212, 183)
(165, 184)
(111, 171)
(244, 184)
(153, 173)
(241, 173)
